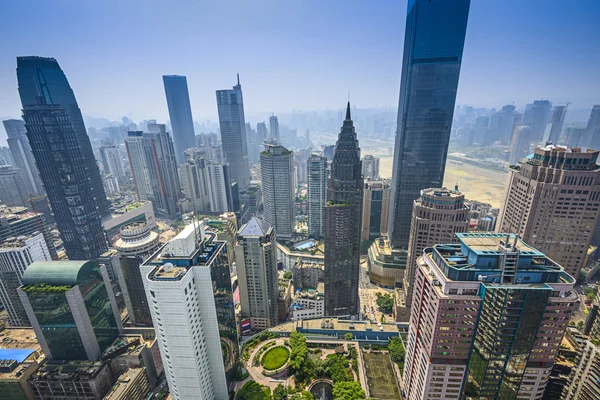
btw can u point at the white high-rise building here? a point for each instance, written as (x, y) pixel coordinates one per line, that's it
(274, 128)
(192, 176)
(16, 254)
(178, 284)
(278, 180)
(370, 167)
(317, 193)
(219, 187)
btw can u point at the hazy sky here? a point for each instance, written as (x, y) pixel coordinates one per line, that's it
(292, 53)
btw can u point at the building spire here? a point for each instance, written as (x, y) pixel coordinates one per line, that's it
(348, 112)
(238, 78)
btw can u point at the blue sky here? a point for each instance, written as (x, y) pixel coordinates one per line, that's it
(291, 53)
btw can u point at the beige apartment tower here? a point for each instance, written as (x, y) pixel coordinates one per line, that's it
(552, 202)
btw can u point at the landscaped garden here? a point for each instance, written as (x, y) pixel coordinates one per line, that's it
(275, 358)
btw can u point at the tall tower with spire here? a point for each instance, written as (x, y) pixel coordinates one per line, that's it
(343, 224)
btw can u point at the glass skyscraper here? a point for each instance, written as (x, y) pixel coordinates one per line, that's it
(180, 113)
(41, 78)
(433, 48)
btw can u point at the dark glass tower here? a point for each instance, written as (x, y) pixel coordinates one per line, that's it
(180, 113)
(433, 48)
(343, 224)
(41, 77)
(62, 168)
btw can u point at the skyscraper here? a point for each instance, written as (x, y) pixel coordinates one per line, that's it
(230, 105)
(218, 181)
(375, 209)
(41, 78)
(592, 131)
(154, 169)
(274, 128)
(521, 143)
(16, 254)
(433, 47)
(261, 132)
(13, 187)
(277, 176)
(180, 113)
(256, 258)
(370, 166)
(188, 287)
(317, 193)
(71, 307)
(537, 115)
(18, 221)
(112, 162)
(555, 125)
(438, 214)
(63, 169)
(342, 224)
(550, 202)
(21, 152)
(192, 175)
(487, 319)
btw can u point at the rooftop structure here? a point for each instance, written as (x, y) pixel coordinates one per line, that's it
(20, 356)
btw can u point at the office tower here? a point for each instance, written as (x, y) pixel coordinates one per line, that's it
(13, 187)
(592, 130)
(230, 105)
(23, 157)
(192, 176)
(521, 143)
(219, 187)
(576, 137)
(277, 177)
(261, 132)
(507, 117)
(112, 162)
(536, 116)
(375, 209)
(71, 307)
(430, 71)
(256, 258)
(274, 128)
(182, 280)
(41, 205)
(487, 318)
(64, 171)
(438, 214)
(41, 78)
(317, 194)
(154, 169)
(342, 224)
(136, 244)
(550, 202)
(555, 125)
(18, 221)
(180, 114)
(16, 254)
(370, 167)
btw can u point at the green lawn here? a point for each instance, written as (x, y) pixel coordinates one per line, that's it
(380, 376)
(275, 358)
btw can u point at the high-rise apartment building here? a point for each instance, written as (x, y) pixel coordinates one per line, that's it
(262, 133)
(521, 143)
(21, 152)
(18, 221)
(192, 176)
(154, 169)
(219, 187)
(188, 287)
(71, 307)
(537, 116)
(13, 187)
(555, 125)
(277, 179)
(552, 201)
(438, 214)
(370, 167)
(180, 113)
(112, 163)
(375, 208)
(136, 244)
(317, 194)
(487, 319)
(256, 258)
(584, 380)
(230, 105)
(274, 128)
(342, 224)
(64, 171)
(41, 81)
(592, 130)
(433, 48)
(16, 254)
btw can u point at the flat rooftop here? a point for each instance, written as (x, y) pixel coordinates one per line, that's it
(329, 323)
(128, 378)
(488, 242)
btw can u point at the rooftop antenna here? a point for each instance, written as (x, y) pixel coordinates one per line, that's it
(238, 79)
(456, 185)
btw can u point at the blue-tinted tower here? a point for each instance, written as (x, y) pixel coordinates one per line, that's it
(180, 113)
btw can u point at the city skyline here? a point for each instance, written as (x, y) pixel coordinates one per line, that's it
(522, 57)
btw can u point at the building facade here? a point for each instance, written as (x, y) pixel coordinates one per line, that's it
(230, 105)
(555, 125)
(430, 71)
(255, 255)
(192, 176)
(342, 224)
(274, 128)
(21, 152)
(317, 194)
(521, 143)
(13, 188)
(375, 209)
(537, 115)
(277, 178)
(180, 114)
(370, 167)
(552, 201)
(487, 319)
(18, 221)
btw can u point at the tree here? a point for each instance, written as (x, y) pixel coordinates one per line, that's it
(280, 392)
(348, 336)
(348, 391)
(305, 395)
(287, 275)
(385, 302)
(396, 349)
